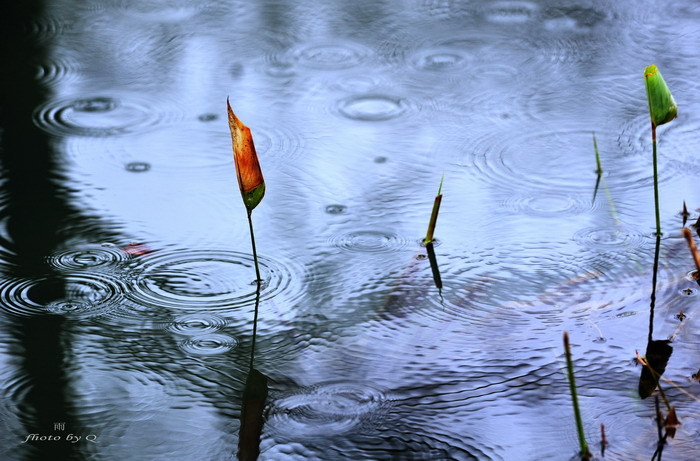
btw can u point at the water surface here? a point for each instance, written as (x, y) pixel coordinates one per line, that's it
(128, 286)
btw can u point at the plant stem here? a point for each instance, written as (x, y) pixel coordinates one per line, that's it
(585, 454)
(656, 179)
(252, 242)
(258, 282)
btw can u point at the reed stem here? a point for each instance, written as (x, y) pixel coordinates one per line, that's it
(585, 454)
(599, 169)
(656, 179)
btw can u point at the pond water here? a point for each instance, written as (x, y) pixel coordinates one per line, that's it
(127, 280)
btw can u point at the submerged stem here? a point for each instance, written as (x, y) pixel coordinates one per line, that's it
(656, 180)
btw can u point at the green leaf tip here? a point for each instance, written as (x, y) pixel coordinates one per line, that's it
(440, 188)
(662, 106)
(253, 198)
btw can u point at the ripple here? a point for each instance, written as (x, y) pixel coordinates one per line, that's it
(678, 142)
(441, 60)
(87, 257)
(207, 279)
(44, 29)
(97, 116)
(369, 241)
(549, 204)
(152, 10)
(73, 294)
(511, 12)
(197, 323)
(360, 83)
(331, 56)
(562, 160)
(276, 68)
(146, 391)
(372, 107)
(209, 344)
(573, 18)
(605, 238)
(326, 409)
(57, 69)
(277, 140)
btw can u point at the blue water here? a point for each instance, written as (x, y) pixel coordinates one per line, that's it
(127, 283)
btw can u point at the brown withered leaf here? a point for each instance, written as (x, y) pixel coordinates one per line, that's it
(248, 172)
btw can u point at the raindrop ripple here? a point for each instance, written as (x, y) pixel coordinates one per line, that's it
(209, 279)
(326, 409)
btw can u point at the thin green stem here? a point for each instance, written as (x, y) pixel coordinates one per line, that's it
(258, 282)
(656, 180)
(585, 454)
(252, 242)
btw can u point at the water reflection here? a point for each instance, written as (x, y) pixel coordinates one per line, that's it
(35, 211)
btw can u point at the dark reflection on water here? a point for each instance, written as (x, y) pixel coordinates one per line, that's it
(127, 285)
